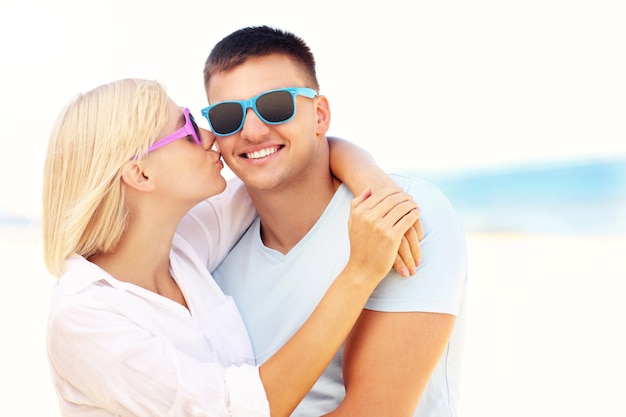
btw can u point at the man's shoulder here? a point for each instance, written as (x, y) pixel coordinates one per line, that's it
(424, 192)
(434, 205)
(407, 181)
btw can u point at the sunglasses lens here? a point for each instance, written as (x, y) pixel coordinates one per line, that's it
(276, 107)
(195, 129)
(226, 118)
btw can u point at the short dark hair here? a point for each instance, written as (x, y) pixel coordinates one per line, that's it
(257, 41)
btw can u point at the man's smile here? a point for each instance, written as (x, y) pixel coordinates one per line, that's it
(262, 153)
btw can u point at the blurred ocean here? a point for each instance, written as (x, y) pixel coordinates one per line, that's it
(580, 197)
(573, 197)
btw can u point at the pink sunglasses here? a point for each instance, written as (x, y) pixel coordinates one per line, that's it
(189, 129)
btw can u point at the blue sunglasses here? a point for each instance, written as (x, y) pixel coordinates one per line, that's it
(273, 107)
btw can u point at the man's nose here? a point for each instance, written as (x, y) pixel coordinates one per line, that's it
(253, 127)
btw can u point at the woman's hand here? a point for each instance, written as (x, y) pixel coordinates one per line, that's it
(410, 254)
(380, 222)
(357, 168)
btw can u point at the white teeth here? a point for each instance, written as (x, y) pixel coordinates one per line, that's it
(262, 153)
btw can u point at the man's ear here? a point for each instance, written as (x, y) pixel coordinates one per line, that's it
(323, 115)
(136, 176)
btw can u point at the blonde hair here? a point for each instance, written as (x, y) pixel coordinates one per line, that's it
(94, 137)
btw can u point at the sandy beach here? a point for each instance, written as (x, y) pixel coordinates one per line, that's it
(545, 336)
(543, 332)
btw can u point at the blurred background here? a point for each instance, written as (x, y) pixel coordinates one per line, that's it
(515, 109)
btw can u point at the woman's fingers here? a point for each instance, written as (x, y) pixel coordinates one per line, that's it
(379, 222)
(413, 238)
(358, 200)
(381, 202)
(418, 229)
(403, 264)
(409, 253)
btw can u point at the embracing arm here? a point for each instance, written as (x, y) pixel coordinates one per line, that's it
(355, 167)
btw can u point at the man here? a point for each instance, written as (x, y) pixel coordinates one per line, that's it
(403, 355)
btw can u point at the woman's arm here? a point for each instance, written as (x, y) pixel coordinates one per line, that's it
(356, 167)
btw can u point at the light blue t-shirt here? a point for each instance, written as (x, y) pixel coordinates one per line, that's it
(276, 293)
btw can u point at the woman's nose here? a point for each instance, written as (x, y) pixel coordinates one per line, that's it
(208, 139)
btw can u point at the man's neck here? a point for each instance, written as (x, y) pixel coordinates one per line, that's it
(289, 213)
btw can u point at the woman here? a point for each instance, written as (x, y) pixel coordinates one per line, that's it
(137, 325)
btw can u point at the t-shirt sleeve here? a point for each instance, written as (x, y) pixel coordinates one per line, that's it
(214, 226)
(440, 280)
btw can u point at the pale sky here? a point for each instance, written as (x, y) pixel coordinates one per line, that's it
(427, 86)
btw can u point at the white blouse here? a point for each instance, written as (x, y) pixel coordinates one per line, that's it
(115, 348)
